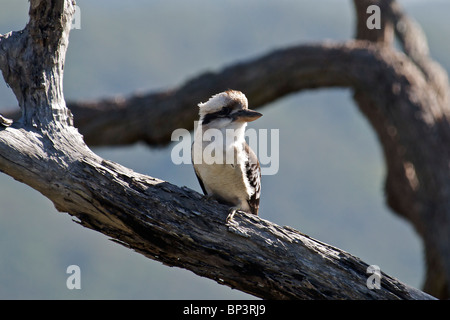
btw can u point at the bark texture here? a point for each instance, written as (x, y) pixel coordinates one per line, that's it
(179, 227)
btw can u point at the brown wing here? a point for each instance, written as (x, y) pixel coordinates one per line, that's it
(200, 182)
(196, 174)
(253, 172)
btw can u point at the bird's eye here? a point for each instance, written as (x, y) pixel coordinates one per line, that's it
(226, 111)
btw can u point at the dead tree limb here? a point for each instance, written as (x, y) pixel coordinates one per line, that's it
(419, 195)
(176, 226)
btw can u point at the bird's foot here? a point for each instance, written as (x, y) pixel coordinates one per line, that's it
(232, 212)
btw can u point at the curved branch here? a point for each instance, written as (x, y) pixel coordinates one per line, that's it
(410, 35)
(415, 45)
(406, 192)
(265, 79)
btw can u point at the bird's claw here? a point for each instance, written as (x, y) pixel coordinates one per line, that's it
(231, 214)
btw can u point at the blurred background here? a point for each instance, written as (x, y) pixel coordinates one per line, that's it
(331, 173)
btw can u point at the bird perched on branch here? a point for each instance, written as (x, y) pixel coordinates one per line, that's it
(226, 168)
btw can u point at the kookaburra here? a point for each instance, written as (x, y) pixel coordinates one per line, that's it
(236, 180)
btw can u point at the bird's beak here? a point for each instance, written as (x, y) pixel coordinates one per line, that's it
(246, 115)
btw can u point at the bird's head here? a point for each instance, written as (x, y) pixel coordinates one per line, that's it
(227, 109)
